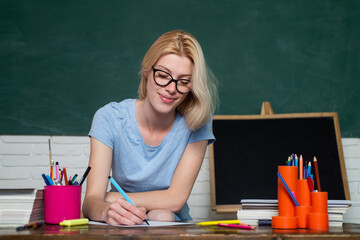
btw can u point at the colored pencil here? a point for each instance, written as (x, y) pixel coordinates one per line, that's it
(214, 223)
(301, 167)
(65, 177)
(236, 226)
(311, 185)
(317, 177)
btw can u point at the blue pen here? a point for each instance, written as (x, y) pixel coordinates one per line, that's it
(45, 179)
(288, 189)
(123, 193)
(49, 180)
(120, 190)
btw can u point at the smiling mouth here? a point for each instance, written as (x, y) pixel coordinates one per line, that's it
(165, 99)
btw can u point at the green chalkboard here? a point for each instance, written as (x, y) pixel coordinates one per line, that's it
(62, 60)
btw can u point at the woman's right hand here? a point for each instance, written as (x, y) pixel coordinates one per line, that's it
(124, 213)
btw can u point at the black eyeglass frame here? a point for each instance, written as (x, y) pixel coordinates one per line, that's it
(170, 81)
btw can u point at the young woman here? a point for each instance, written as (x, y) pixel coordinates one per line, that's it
(153, 145)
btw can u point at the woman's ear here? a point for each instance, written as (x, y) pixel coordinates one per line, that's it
(146, 73)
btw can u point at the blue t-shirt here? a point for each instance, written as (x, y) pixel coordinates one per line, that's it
(136, 166)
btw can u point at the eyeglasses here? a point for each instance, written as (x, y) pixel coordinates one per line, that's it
(163, 79)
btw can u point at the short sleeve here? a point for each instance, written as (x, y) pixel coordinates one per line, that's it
(203, 133)
(101, 127)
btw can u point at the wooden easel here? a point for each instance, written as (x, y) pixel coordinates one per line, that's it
(266, 109)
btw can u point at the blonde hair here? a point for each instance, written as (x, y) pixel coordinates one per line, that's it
(201, 102)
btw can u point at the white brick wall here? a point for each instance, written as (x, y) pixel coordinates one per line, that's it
(351, 148)
(24, 158)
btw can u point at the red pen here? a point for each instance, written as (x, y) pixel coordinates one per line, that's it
(236, 226)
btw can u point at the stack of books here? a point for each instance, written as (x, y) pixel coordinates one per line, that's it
(20, 206)
(255, 209)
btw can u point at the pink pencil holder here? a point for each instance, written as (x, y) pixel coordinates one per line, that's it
(61, 203)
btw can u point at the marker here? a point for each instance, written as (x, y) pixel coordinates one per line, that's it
(214, 223)
(45, 179)
(49, 179)
(288, 189)
(75, 183)
(85, 175)
(73, 179)
(236, 226)
(61, 175)
(74, 222)
(57, 170)
(264, 222)
(123, 193)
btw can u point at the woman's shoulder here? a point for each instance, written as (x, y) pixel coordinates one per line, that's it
(117, 107)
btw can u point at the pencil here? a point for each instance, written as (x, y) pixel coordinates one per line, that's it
(65, 176)
(301, 167)
(213, 223)
(317, 177)
(236, 226)
(50, 159)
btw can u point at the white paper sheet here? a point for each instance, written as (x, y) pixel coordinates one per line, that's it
(151, 224)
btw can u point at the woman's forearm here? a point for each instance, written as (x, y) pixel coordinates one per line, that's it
(95, 208)
(151, 200)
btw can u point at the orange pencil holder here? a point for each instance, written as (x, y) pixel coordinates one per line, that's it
(318, 216)
(286, 218)
(303, 210)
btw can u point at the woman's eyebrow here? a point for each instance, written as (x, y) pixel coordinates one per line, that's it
(169, 71)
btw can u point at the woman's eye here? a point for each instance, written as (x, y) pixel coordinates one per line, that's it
(184, 82)
(163, 75)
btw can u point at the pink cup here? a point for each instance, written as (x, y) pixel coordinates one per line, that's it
(61, 203)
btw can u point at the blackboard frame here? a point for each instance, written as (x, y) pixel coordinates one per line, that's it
(234, 206)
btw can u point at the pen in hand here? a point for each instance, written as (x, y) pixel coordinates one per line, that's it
(123, 194)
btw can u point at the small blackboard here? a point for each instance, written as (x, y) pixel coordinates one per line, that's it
(248, 150)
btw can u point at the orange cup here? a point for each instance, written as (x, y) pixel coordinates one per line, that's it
(303, 210)
(304, 193)
(301, 213)
(318, 216)
(286, 206)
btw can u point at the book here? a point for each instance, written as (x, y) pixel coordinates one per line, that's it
(254, 209)
(20, 206)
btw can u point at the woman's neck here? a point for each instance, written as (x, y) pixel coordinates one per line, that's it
(152, 125)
